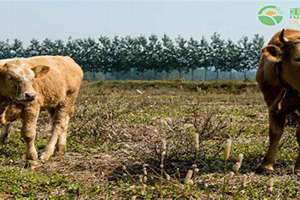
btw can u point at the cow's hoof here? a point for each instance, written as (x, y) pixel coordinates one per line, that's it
(60, 154)
(265, 170)
(44, 157)
(60, 157)
(32, 164)
(60, 150)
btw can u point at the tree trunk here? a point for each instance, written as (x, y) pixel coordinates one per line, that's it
(192, 74)
(94, 74)
(217, 74)
(142, 75)
(180, 74)
(245, 75)
(205, 74)
(155, 75)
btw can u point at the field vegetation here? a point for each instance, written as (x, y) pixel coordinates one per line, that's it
(157, 140)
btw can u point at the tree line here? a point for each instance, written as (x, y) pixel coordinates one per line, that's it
(141, 53)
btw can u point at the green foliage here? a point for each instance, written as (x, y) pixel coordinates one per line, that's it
(123, 54)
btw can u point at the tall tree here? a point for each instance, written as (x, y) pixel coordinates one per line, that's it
(169, 60)
(5, 49)
(231, 57)
(89, 49)
(33, 49)
(217, 48)
(153, 51)
(105, 57)
(198, 55)
(246, 58)
(182, 52)
(16, 49)
(257, 44)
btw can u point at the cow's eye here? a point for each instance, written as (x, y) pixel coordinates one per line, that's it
(9, 77)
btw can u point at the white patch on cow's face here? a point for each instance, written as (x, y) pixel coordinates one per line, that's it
(23, 72)
(19, 80)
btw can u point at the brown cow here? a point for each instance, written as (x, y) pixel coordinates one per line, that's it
(278, 79)
(42, 82)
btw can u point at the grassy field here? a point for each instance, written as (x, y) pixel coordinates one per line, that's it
(157, 140)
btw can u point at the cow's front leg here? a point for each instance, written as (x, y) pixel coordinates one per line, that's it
(29, 120)
(297, 165)
(5, 133)
(276, 126)
(60, 125)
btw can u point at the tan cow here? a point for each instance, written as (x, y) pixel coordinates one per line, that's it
(41, 82)
(278, 79)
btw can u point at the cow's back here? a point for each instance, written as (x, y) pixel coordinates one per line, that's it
(69, 70)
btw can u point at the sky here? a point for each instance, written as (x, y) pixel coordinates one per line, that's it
(81, 19)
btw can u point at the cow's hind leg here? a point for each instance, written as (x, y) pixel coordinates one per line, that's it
(62, 139)
(60, 123)
(276, 126)
(5, 133)
(69, 109)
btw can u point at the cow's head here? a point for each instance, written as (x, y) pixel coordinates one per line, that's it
(286, 51)
(17, 80)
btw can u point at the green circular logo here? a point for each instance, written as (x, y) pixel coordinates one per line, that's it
(270, 15)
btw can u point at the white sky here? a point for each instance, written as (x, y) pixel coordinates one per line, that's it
(60, 19)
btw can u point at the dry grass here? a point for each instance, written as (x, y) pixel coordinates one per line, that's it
(158, 142)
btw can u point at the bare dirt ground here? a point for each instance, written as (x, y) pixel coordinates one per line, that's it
(156, 140)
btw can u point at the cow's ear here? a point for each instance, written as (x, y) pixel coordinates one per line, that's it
(3, 70)
(40, 71)
(5, 67)
(272, 53)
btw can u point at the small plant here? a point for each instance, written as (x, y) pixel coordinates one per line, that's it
(227, 151)
(188, 177)
(238, 164)
(270, 186)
